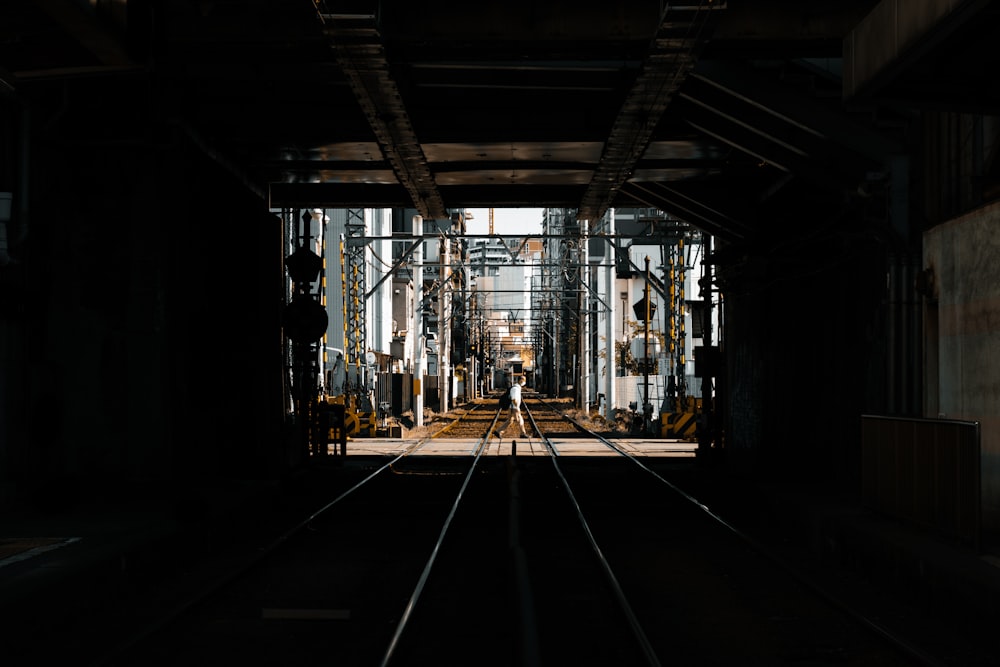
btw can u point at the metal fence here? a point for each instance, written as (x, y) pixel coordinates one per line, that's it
(634, 389)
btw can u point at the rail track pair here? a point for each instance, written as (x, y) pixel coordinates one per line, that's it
(511, 560)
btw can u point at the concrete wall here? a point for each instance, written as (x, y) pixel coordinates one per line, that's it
(963, 334)
(149, 358)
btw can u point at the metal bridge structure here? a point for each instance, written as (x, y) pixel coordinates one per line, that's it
(721, 113)
(812, 144)
(170, 288)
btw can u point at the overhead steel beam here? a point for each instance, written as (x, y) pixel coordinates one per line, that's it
(92, 30)
(727, 126)
(822, 133)
(693, 210)
(337, 195)
(361, 54)
(672, 54)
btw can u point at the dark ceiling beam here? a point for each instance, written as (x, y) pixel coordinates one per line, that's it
(696, 210)
(551, 166)
(90, 30)
(491, 77)
(778, 28)
(361, 54)
(512, 166)
(337, 195)
(313, 166)
(783, 127)
(725, 127)
(672, 54)
(555, 26)
(730, 127)
(887, 45)
(563, 121)
(389, 195)
(7, 82)
(679, 163)
(825, 133)
(513, 195)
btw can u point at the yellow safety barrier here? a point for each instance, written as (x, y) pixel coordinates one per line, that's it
(678, 424)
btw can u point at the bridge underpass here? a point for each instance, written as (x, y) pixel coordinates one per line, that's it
(837, 154)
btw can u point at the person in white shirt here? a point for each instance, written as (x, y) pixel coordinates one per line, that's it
(515, 407)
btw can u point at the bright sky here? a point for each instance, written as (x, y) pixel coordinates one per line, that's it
(505, 221)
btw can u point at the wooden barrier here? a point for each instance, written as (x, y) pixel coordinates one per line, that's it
(924, 471)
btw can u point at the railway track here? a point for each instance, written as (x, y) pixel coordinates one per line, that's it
(510, 561)
(549, 421)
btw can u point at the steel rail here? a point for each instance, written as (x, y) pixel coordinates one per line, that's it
(221, 581)
(626, 608)
(425, 574)
(259, 555)
(447, 427)
(836, 601)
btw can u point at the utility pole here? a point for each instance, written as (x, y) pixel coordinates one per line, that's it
(418, 311)
(444, 328)
(470, 333)
(646, 407)
(706, 431)
(557, 325)
(609, 325)
(584, 326)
